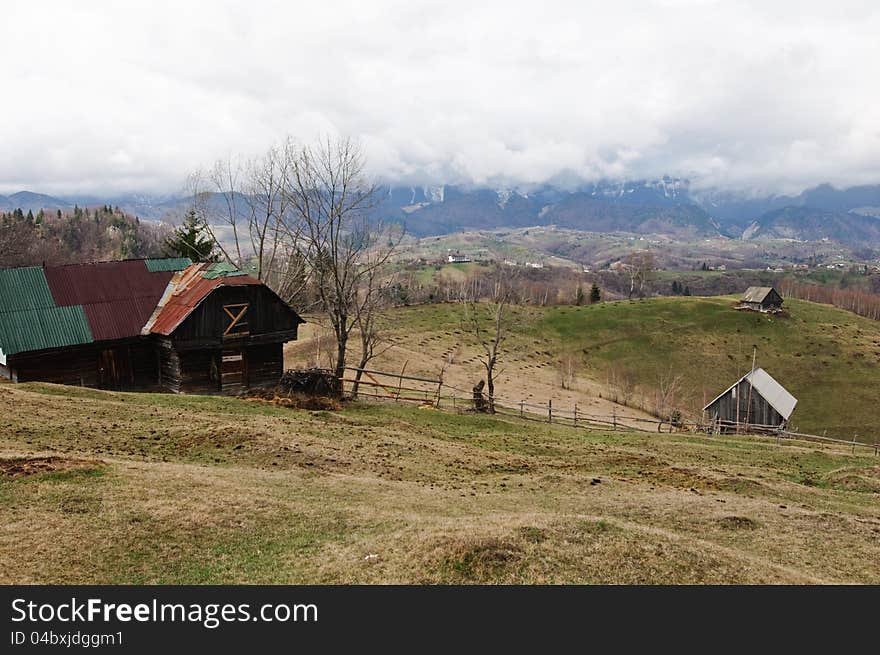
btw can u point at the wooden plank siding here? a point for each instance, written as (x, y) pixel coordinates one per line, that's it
(116, 365)
(231, 342)
(737, 406)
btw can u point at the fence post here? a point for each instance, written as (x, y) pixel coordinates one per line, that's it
(521, 408)
(854, 444)
(575, 414)
(550, 411)
(614, 417)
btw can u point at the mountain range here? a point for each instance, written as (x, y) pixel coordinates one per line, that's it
(663, 206)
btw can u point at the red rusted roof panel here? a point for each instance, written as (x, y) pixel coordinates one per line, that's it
(118, 297)
(119, 319)
(83, 284)
(190, 288)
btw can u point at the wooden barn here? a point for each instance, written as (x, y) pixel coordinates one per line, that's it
(761, 299)
(218, 330)
(755, 400)
(140, 324)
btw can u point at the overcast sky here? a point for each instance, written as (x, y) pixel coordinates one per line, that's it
(119, 96)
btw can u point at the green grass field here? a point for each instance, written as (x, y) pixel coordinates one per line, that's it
(827, 358)
(100, 487)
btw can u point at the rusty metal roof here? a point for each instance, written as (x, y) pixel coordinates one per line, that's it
(187, 289)
(56, 306)
(118, 297)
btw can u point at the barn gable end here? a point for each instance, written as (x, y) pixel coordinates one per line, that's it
(755, 399)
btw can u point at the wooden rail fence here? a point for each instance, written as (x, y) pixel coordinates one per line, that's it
(431, 392)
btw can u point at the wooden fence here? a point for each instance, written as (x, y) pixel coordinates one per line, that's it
(384, 385)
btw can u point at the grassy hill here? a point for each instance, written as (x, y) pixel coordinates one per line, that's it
(100, 487)
(828, 358)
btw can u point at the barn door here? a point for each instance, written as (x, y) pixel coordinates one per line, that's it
(233, 371)
(114, 368)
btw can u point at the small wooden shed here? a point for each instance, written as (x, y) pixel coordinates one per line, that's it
(761, 299)
(755, 400)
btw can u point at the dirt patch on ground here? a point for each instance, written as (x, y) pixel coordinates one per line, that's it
(864, 480)
(21, 467)
(476, 559)
(737, 523)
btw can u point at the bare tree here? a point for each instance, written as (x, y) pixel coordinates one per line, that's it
(567, 369)
(489, 321)
(328, 191)
(271, 223)
(218, 203)
(639, 266)
(668, 385)
(246, 211)
(373, 299)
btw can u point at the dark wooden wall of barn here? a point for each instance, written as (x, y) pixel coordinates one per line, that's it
(202, 370)
(118, 365)
(740, 407)
(266, 314)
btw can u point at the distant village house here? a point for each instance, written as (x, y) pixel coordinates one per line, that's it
(457, 258)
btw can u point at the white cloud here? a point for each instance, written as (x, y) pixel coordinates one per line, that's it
(121, 96)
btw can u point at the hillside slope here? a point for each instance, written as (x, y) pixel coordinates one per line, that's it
(626, 351)
(829, 359)
(99, 487)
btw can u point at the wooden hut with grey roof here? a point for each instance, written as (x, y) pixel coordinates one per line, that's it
(755, 401)
(761, 299)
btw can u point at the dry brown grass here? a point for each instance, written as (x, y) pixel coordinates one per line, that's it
(166, 489)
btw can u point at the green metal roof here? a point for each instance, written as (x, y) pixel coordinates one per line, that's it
(24, 288)
(168, 264)
(45, 327)
(221, 269)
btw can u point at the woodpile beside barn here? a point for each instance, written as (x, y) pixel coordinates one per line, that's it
(142, 324)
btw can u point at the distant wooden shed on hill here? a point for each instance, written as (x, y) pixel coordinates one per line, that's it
(756, 400)
(761, 299)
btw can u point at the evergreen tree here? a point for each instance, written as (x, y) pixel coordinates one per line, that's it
(579, 295)
(30, 216)
(687, 290)
(58, 214)
(190, 240)
(676, 288)
(595, 294)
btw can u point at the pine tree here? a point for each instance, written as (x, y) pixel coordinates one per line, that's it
(595, 294)
(676, 288)
(687, 290)
(190, 240)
